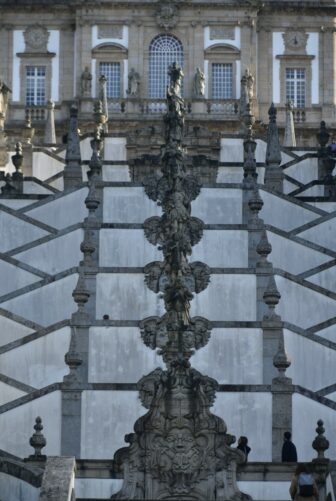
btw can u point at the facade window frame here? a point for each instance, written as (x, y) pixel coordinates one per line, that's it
(35, 85)
(222, 54)
(295, 62)
(110, 54)
(296, 86)
(222, 80)
(112, 74)
(159, 60)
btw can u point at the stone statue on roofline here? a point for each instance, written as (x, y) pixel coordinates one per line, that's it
(133, 83)
(199, 83)
(86, 82)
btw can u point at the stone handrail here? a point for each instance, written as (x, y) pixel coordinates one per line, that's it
(58, 481)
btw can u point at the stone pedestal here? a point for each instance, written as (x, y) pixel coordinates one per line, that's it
(198, 106)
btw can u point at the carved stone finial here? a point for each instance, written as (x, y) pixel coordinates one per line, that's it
(320, 443)
(87, 247)
(271, 297)
(81, 293)
(255, 205)
(289, 138)
(95, 163)
(248, 120)
(17, 159)
(250, 166)
(280, 359)
(92, 200)
(38, 441)
(323, 135)
(28, 131)
(73, 169)
(28, 122)
(273, 171)
(50, 133)
(264, 248)
(103, 99)
(98, 113)
(72, 358)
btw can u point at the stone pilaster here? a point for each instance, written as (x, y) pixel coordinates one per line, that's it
(327, 89)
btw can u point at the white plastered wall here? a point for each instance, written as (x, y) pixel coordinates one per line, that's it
(302, 351)
(15, 489)
(35, 305)
(40, 362)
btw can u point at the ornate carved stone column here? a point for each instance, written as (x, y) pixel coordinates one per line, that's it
(178, 450)
(84, 295)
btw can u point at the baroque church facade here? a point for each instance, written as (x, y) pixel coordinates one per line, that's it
(167, 218)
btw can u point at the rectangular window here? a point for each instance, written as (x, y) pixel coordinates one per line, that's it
(296, 86)
(222, 81)
(111, 72)
(35, 85)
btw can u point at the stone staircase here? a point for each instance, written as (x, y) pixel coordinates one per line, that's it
(40, 252)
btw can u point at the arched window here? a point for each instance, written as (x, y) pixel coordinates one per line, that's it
(163, 51)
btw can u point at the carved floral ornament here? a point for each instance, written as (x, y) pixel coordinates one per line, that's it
(295, 41)
(36, 37)
(167, 15)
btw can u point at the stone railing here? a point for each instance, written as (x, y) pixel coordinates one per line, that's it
(116, 105)
(36, 113)
(301, 115)
(227, 107)
(21, 112)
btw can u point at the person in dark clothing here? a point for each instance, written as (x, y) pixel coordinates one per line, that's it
(242, 446)
(289, 454)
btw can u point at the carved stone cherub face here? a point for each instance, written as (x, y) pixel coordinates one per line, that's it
(181, 441)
